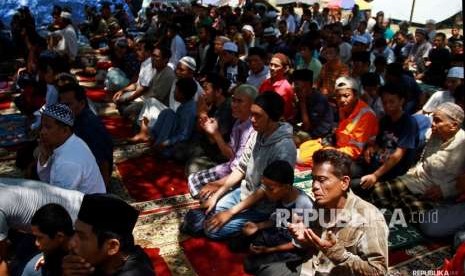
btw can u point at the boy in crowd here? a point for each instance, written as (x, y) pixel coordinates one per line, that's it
(259, 71)
(314, 109)
(53, 228)
(103, 243)
(370, 94)
(270, 240)
(173, 127)
(439, 58)
(331, 70)
(395, 148)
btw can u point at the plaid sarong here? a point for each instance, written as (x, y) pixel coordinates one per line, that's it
(197, 180)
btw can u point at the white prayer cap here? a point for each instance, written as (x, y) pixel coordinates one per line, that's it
(248, 28)
(65, 15)
(189, 62)
(455, 72)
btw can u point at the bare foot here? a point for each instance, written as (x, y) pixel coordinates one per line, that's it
(139, 138)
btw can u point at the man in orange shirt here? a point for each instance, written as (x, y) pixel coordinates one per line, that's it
(358, 124)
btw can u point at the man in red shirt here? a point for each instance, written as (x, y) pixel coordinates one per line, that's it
(279, 66)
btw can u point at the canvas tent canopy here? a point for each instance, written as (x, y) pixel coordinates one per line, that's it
(42, 9)
(421, 10)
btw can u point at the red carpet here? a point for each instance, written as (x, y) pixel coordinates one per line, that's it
(118, 127)
(161, 268)
(97, 94)
(302, 168)
(212, 258)
(81, 76)
(5, 104)
(84, 78)
(149, 179)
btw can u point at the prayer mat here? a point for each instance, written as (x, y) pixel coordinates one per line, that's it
(6, 87)
(85, 78)
(97, 94)
(158, 227)
(146, 178)
(402, 237)
(426, 257)
(118, 127)
(303, 181)
(161, 268)
(301, 168)
(12, 130)
(5, 104)
(211, 258)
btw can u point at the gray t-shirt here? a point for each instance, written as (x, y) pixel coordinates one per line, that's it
(21, 198)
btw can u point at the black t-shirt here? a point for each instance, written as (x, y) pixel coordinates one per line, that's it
(223, 115)
(435, 74)
(402, 133)
(90, 128)
(452, 39)
(320, 115)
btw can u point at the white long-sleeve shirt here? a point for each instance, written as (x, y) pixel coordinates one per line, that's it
(68, 44)
(72, 166)
(441, 164)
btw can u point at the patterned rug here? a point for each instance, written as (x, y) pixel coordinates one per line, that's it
(12, 130)
(421, 258)
(158, 190)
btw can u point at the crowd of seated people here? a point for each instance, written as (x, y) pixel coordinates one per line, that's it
(240, 97)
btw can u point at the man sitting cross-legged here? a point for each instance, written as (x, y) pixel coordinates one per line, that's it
(64, 159)
(228, 210)
(242, 132)
(213, 110)
(434, 176)
(173, 127)
(357, 125)
(348, 236)
(89, 127)
(394, 151)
